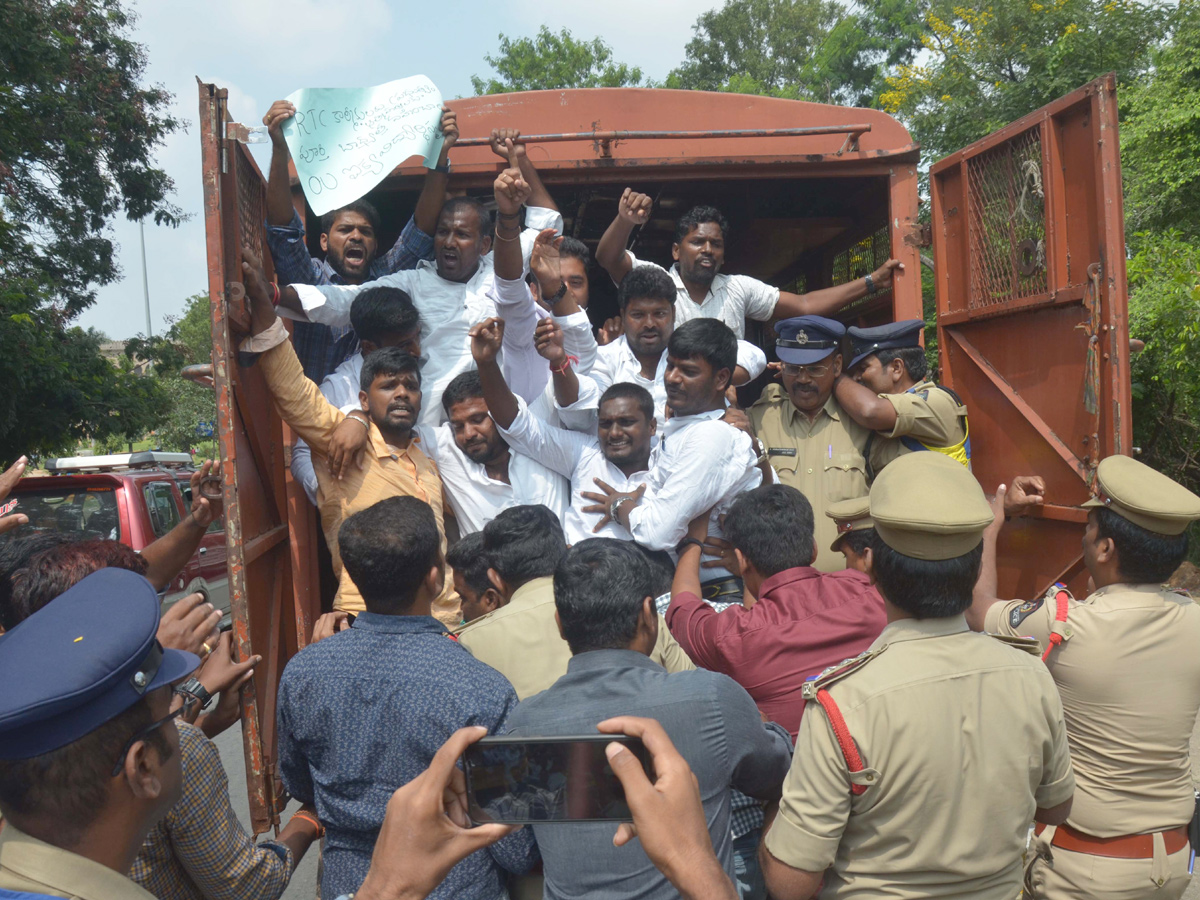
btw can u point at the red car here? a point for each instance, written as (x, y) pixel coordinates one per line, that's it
(134, 498)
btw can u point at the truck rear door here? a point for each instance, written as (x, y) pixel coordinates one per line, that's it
(1033, 332)
(269, 524)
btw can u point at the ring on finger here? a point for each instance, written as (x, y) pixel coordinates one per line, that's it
(207, 649)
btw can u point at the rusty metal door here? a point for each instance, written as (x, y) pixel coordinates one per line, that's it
(1033, 332)
(269, 523)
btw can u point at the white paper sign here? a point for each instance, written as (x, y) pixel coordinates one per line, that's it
(344, 141)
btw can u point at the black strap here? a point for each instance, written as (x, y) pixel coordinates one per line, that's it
(805, 345)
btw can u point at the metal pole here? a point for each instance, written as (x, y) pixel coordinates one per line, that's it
(145, 279)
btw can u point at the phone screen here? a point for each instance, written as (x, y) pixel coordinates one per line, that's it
(522, 780)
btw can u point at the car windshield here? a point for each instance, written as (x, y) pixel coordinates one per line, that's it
(78, 513)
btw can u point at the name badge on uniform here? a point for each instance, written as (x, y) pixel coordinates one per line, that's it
(781, 451)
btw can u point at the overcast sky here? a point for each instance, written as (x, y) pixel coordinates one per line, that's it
(262, 50)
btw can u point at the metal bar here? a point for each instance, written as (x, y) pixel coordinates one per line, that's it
(256, 547)
(1065, 297)
(1027, 411)
(200, 374)
(855, 131)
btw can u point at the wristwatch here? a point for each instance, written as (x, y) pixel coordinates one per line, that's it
(870, 284)
(445, 170)
(615, 505)
(194, 692)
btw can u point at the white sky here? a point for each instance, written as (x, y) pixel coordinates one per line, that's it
(262, 50)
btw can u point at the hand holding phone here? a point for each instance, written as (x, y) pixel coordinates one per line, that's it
(519, 780)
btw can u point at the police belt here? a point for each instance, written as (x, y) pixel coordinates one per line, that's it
(1129, 846)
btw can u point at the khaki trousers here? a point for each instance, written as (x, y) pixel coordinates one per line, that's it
(1053, 873)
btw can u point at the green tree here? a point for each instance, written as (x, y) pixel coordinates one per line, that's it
(990, 64)
(552, 61)
(77, 144)
(1161, 133)
(187, 342)
(58, 389)
(757, 47)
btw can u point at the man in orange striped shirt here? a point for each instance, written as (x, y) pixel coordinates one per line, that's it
(390, 393)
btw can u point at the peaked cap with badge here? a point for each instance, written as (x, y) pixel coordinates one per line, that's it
(893, 336)
(927, 506)
(849, 515)
(82, 660)
(1144, 496)
(804, 340)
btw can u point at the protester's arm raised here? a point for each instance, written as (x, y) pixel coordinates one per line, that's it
(433, 191)
(828, 301)
(632, 210)
(538, 195)
(279, 188)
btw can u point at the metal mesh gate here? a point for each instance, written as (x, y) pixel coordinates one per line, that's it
(1007, 222)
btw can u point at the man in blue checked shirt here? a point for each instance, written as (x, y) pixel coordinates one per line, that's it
(349, 237)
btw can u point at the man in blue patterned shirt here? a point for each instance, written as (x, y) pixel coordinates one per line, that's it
(363, 712)
(349, 237)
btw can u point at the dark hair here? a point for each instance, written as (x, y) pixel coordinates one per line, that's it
(364, 208)
(699, 215)
(915, 362)
(859, 540)
(523, 543)
(599, 588)
(53, 571)
(773, 527)
(388, 361)
(464, 386)
(627, 390)
(380, 311)
(453, 204)
(15, 554)
(646, 283)
(576, 249)
(467, 558)
(925, 588)
(69, 786)
(388, 549)
(1143, 557)
(710, 339)
(662, 568)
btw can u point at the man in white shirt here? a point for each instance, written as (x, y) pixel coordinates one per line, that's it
(700, 464)
(648, 309)
(618, 453)
(463, 285)
(702, 291)
(381, 317)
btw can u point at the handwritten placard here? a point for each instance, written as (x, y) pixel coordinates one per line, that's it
(344, 141)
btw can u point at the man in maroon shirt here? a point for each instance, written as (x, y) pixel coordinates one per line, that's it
(802, 620)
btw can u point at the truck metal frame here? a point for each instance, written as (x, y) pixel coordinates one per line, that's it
(821, 195)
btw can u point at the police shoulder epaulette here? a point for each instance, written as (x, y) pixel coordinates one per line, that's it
(1028, 644)
(838, 672)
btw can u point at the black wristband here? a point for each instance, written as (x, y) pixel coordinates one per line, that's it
(686, 542)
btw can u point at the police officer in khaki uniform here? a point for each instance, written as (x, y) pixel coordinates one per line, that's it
(855, 528)
(887, 390)
(1127, 664)
(921, 764)
(807, 437)
(89, 754)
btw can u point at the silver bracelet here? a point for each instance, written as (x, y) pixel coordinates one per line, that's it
(363, 422)
(870, 284)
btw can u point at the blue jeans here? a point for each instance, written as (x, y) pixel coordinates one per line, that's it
(750, 883)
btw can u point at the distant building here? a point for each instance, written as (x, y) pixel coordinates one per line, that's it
(114, 352)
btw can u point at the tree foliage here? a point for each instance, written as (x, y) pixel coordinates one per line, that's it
(58, 389)
(989, 64)
(77, 144)
(187, 342)
(552, 61)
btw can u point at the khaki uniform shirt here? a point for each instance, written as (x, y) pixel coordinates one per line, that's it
(822, 458)
(27, 864)
(962, 737)
(390, 472)
(926, 413)
(520, 640)
(1128, 673)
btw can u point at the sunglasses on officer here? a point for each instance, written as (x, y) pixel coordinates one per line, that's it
(139, 735)
(818, 371)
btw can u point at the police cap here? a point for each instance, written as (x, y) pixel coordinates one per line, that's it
(895, 336)
(804, 340)
(849, 515)
(1144, 496)
(81, 660)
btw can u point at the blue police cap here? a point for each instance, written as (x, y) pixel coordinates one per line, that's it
(865, 341)
(804, 340)
(81, 660)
